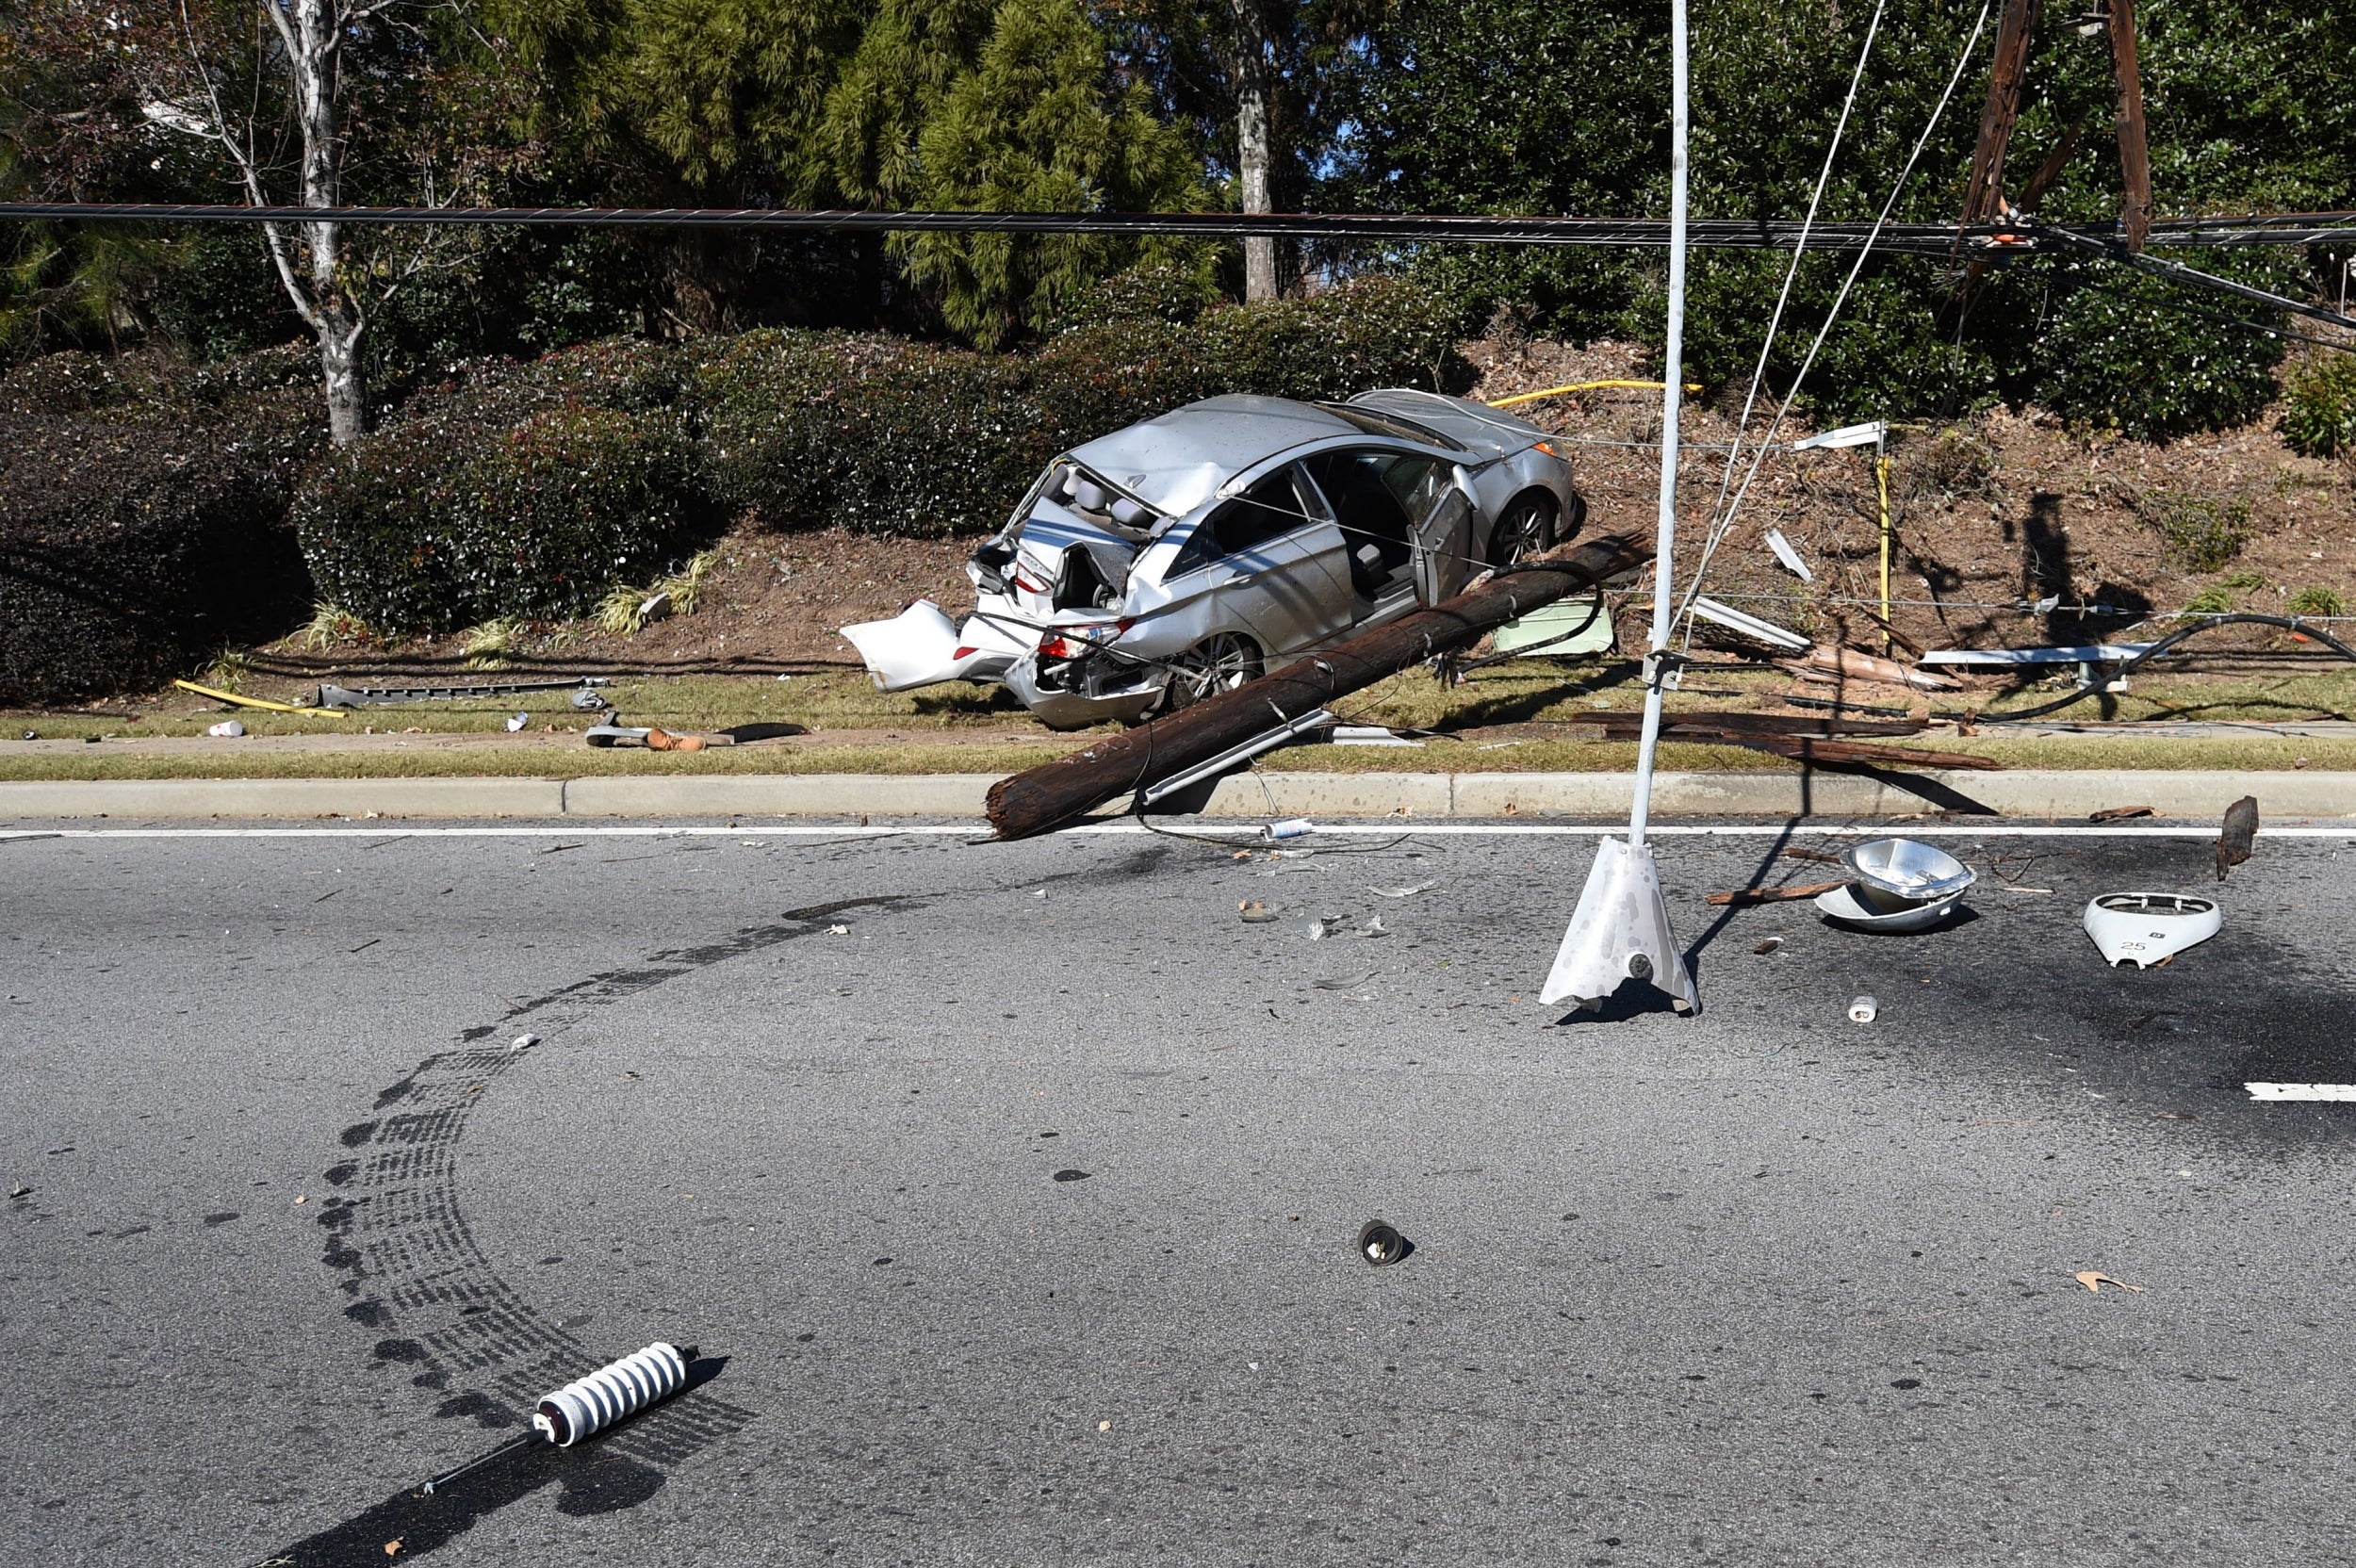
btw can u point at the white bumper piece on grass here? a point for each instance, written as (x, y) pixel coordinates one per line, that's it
(1619, 932)
(923, 646)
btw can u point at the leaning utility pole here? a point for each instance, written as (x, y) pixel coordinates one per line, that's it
(2015, 36)
(2135, 153)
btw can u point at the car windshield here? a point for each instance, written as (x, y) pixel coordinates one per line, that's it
(1392, 424)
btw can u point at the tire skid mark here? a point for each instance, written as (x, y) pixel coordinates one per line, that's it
(397, 1228)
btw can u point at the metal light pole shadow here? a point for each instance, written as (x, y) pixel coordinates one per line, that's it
(1621, 928)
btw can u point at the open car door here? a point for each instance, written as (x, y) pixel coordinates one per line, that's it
(1443, 540)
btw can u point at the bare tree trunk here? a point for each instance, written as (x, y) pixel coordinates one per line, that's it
(1255, 150)
(310, 263)
(346, 382)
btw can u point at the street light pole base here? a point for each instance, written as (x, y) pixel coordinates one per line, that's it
(1620, 932)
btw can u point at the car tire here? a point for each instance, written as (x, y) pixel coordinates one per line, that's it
(1219, 662)
(1526, 528)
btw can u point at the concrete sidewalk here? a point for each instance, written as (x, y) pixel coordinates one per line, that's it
(1426, 795)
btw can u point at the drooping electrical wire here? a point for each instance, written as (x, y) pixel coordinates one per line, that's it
(1783, 295)
(1725, 520)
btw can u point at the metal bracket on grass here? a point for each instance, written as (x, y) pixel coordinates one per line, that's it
(365, 696)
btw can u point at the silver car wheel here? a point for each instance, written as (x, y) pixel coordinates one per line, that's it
(1219, 662)
(1524, 531)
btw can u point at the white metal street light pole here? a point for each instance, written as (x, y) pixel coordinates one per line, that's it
(1621, 928)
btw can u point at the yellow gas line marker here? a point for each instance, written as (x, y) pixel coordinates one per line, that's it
(237, 701)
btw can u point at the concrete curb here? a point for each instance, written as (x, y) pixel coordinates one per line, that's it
(1421, 796)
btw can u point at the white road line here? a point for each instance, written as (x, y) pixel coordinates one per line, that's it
(2302, 1091)
(1240, 833)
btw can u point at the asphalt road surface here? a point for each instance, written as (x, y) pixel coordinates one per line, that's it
(1008, 1194)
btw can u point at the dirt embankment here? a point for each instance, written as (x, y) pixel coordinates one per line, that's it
(1990, 514)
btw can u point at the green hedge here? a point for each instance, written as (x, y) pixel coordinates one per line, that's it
(885, 436)
(508, 489)
(454, 518)
(143, 519)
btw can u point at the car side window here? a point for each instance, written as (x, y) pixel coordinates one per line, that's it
(1268, 510)
(1418, 483)
(1375, 494)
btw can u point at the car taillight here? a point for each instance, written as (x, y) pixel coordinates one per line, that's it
(1074, 640)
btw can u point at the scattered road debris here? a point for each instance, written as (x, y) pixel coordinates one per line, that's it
(1829, 665)
(1869, 909)
(1380, 1244)
(1374, 928)
(1863, 1009)
(1320, 927)
(228, 729)
(2121, 813)
(2239, 835)
(590, 700)
(1343, 982)
(524, 1042)
(1291, 827)
(1072, 1175)
(1901, 885)
(2284, 1091)
(1789, 557)
(1561, 630)
(19, 1189)
(515, 722)
(1255, 911)
(2094, 1280)
(838, 930)
(1405, 890)
(1369, 735)
(2148, 929)
(586, 1405)
(1770, 945)
(611, 1392)
(558, 849)
(1771, 895)
(659, 740)
(1750, 627)
(1908, 869)
(1038, 893)
(1825, 857)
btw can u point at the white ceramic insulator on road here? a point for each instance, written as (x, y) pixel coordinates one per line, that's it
(610, 1393)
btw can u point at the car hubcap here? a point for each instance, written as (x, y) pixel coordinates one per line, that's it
(1219, 663)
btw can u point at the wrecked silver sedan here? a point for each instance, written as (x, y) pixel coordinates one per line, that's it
(1185, 554)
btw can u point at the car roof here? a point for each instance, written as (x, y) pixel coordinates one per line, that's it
(1175, 462)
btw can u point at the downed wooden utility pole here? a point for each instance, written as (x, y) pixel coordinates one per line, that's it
(1056, 793)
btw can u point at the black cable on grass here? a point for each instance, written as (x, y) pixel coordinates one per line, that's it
(2166, 644)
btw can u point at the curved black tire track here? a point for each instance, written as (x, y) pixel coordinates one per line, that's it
(397, 1231)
